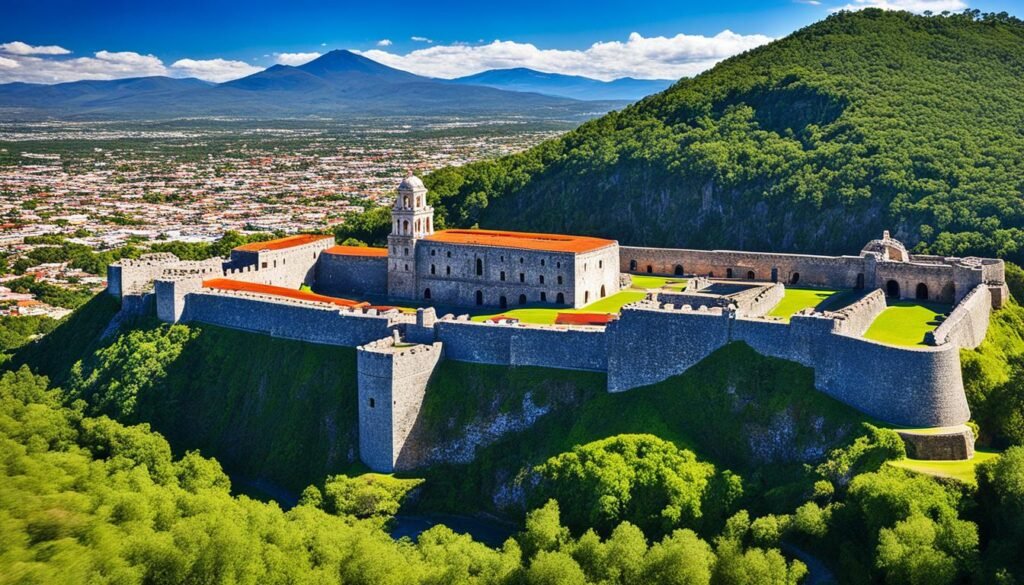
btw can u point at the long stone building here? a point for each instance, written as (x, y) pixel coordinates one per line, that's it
(307, 288)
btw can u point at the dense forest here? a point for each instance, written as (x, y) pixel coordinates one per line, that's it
(817, 142)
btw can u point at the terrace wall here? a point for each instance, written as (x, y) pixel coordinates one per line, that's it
(514, 345)
(967, 324)
(854, 319)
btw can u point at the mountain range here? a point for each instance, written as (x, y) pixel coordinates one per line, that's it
(337, 84)
(570, 86)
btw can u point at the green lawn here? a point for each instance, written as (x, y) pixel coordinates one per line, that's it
(547, 315)
(906, 322)
(799, 298)
(958, 470)
(646, 281)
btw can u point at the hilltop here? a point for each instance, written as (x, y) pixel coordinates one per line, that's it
(864, 121)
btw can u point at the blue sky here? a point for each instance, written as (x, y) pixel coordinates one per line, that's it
(67, 39)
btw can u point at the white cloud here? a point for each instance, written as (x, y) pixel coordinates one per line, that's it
(20, 48)
(421, 40)
(384, 43)
(102, 65)
(811, 2)
(6, 63)
(294, 58)
(643, 57)
(214, 69)
(909, 5)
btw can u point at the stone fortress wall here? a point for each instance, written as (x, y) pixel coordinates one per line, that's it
(651, 340)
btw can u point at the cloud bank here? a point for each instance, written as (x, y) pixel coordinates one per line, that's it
(639, 56)
(20, 48)
(294, 58)
(217, 70)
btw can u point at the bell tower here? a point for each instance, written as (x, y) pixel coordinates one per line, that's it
(411, 220)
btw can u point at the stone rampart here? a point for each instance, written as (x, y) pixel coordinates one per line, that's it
(967, 324)
(855, 318)
(908, 386)
(758, 301)
(341, 274)
(517, 345)
(289, 319)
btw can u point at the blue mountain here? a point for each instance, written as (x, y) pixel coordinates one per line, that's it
(569, 86)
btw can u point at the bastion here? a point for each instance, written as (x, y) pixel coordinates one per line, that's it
(307, 288)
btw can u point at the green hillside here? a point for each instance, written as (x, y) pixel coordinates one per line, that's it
(817, 142)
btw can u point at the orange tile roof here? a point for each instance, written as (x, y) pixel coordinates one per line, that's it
(521, 240)
(282, 243)
(499, 318)
(583, 318)
(278, 291)
(357, 251)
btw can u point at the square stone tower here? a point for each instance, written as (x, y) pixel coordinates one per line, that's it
(411, 220)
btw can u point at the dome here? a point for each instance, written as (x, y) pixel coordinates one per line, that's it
(411, 183)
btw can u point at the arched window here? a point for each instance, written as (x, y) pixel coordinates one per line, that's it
(860, 280)
(892, 289)
(479, 267)
(503, 302)
(406, 201)
(794, 278)
(632, 265)
(426, 293)
(728, 272)
(405, 227)
(650, 269)
(479, 297)
(448, 270)
(678, 270)
(560, 299)
(542, 279)
(522, 299)
(559, 279)
(522, 277)
(433, 269)
(602, 291)
(922, 291)
(750, 275)
(406, 252)
(502, 275)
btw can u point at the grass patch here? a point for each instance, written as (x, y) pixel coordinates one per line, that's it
(962, 471)
(797, 299)
(906, 322)
(547, 315)
(647, 281)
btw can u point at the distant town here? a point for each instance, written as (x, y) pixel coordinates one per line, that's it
(104, 185)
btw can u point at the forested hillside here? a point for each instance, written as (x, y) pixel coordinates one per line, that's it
(862, 122)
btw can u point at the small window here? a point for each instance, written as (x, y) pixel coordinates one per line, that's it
(433, 252)
(373, 403)
(560, 299)
(522, 299)
(479, 267)
(448, 270)
(502, 276)
(542, 262)
(650, 269)
(426, 293)
(275, 263)
(449, 254)
(750, 275)
(433, 269)
(602, 291)
(522, 277)
(407, 268)
(521, 260)
(600, 263)
(586, 296)
(559, 279)
(406, 252)
(264, 264)
(543, 297)
(502, 258)
(795, 278)
(728, 272)
(542, 279)
(558, 264)
(479, 297)
(503, 302)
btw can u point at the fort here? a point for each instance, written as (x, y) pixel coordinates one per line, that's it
(407, 307)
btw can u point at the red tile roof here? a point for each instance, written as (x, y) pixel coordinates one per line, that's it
(583, 318)
(282, 243)
(279, 291)
(357, 251)
(521, 240)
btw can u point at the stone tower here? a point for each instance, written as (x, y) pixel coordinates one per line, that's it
(411, 220)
